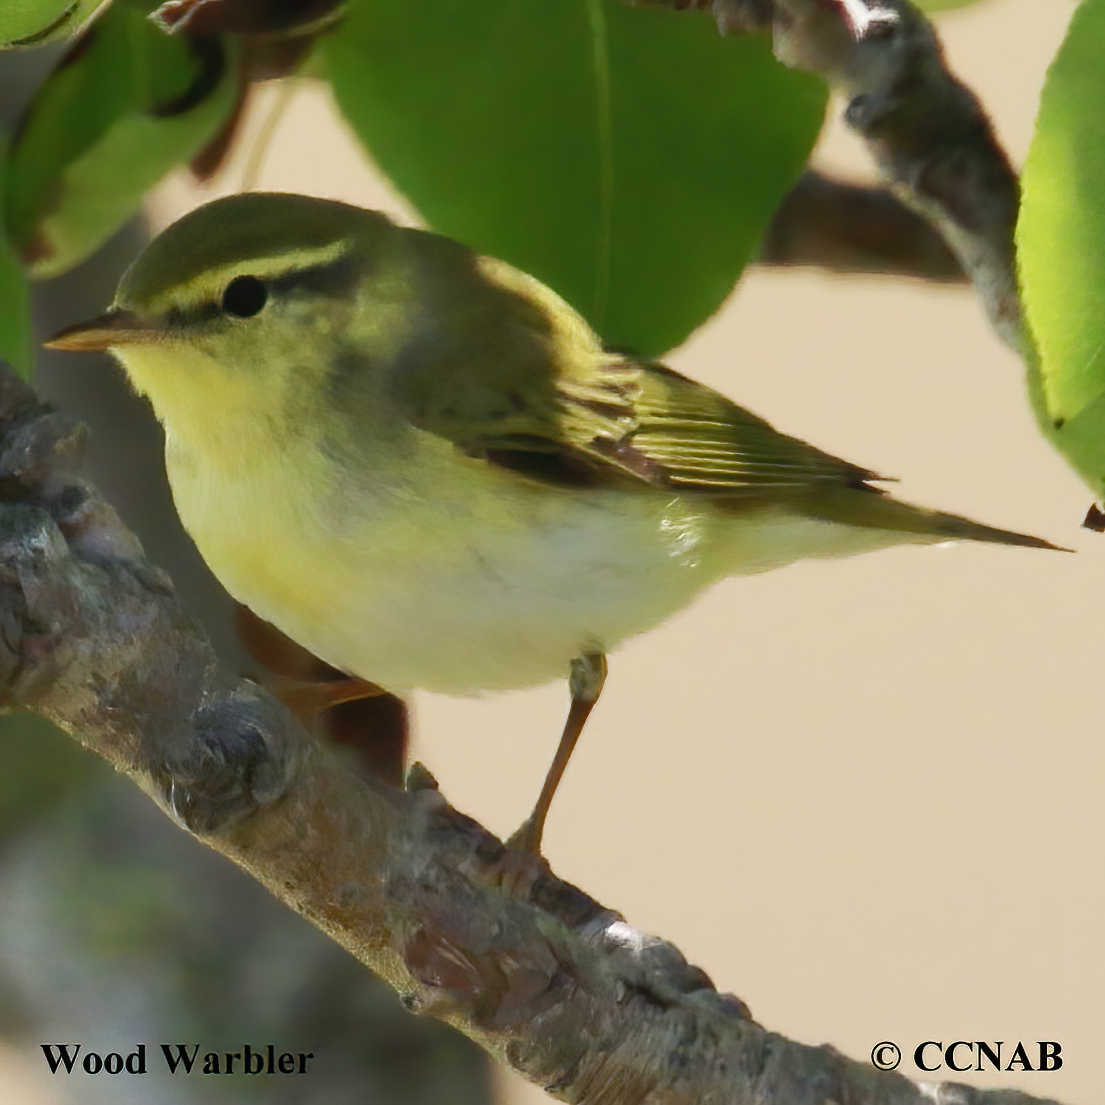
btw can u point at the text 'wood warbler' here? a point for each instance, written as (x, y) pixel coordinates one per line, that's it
(422, 464)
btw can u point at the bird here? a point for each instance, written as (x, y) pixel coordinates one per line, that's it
(423, 465)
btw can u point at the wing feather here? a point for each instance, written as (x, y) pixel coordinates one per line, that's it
(531, 389)
(694, 438)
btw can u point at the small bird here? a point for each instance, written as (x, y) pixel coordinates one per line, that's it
(423, 465)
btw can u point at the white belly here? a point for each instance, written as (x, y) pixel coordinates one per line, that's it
(458, 588)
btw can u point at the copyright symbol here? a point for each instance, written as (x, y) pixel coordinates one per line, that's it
(886, 1056)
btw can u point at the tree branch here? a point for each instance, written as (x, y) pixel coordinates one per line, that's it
(927, 132)
(855, 228)
(487, 939)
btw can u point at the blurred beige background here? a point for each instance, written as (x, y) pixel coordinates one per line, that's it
(864, 795)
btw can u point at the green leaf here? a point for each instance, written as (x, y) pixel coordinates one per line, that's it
(629, 158)
(25, 23)
(15, 308)
(125, 105)
(1061, 247)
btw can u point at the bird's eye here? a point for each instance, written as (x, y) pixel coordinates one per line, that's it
(244, 296)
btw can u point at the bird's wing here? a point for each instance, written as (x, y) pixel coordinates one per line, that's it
(621, 421)
(700, 440)
(531, 389)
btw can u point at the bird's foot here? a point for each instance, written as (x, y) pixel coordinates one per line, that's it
(527, 837)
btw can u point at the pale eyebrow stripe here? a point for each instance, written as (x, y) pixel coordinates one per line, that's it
(280, 264)
(271, 270)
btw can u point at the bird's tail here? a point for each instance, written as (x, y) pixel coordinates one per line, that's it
(867, 506)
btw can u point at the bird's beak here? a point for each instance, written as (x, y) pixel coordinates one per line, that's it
(116, 327)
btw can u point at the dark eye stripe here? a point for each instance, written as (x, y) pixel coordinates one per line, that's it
(195, 316)
(332, 278)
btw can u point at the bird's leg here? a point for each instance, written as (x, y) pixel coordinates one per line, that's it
(585, 680)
